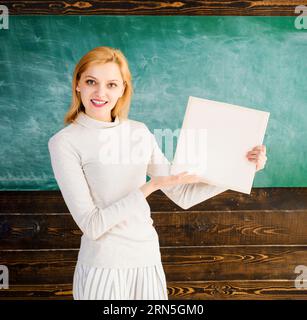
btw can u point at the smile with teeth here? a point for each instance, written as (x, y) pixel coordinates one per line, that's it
(99, 102)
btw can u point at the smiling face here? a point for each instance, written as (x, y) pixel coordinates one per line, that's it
(100, 87)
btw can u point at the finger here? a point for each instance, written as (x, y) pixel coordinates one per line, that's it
(259, 164)
(258, 155)
(258, 159)
(180, 176)
(182, 173)
(252, 153)
(260, 148)
(259, 168)
(263, 150)
(255, 153)
(253, 156)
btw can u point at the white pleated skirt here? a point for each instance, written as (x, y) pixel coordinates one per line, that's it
(141, 283)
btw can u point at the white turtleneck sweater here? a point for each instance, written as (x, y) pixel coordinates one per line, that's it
(99, 167)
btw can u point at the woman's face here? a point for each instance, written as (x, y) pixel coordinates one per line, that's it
(100, 86)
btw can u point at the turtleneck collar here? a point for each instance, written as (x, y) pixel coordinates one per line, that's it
(90, 122)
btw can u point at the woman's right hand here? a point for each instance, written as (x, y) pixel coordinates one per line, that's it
(159, 182)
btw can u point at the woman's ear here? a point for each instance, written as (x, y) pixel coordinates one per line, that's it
(77, 89)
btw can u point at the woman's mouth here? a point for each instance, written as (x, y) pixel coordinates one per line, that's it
(98, 103)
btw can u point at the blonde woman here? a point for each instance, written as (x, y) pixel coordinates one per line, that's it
(100, 161)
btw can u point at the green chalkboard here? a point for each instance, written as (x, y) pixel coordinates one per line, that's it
(257, 62)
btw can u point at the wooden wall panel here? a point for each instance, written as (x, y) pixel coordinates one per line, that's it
(207, 7)
(180, 264)
(200, 290)
(232, 246)
(178, 228)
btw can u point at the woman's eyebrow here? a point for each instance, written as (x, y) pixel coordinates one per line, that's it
(89, 76)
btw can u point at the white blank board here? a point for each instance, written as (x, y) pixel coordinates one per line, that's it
(214, 140)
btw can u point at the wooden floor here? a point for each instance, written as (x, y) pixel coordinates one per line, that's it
(232, 246)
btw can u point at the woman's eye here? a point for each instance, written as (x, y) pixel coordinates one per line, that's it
(90, 82)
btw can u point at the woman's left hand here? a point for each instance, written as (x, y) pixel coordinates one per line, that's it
(258, 156)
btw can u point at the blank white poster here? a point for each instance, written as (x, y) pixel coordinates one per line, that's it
(214, 140)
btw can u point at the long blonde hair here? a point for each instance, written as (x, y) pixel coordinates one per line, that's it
(101, 55)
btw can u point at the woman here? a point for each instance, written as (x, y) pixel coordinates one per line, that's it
(100, 161)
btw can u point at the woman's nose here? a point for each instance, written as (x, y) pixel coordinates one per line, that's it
(101, 91)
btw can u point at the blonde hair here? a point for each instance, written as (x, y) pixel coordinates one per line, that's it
(101, 55)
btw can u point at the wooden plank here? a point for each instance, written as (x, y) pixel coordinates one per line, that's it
(177, 228)
(39, 266)
(207, 7)
(38, 292)
(233, 246)
(246, 227)
(180, 264)
(235, 290)
(32, 202)
(232, 263)
(39, 231)
(259, 199)
(200, 290)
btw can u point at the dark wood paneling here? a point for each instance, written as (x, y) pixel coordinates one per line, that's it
(39, 266)
(260, 199)
(38, 292)
(200, 290)
(233, 246)
(235, 290)
(246, 227)
(180, 264)
(178, 228)
(39, 231)
(207, 7)
(232, 263)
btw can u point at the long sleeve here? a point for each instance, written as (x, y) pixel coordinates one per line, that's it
(91, 219)
(184, 195)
